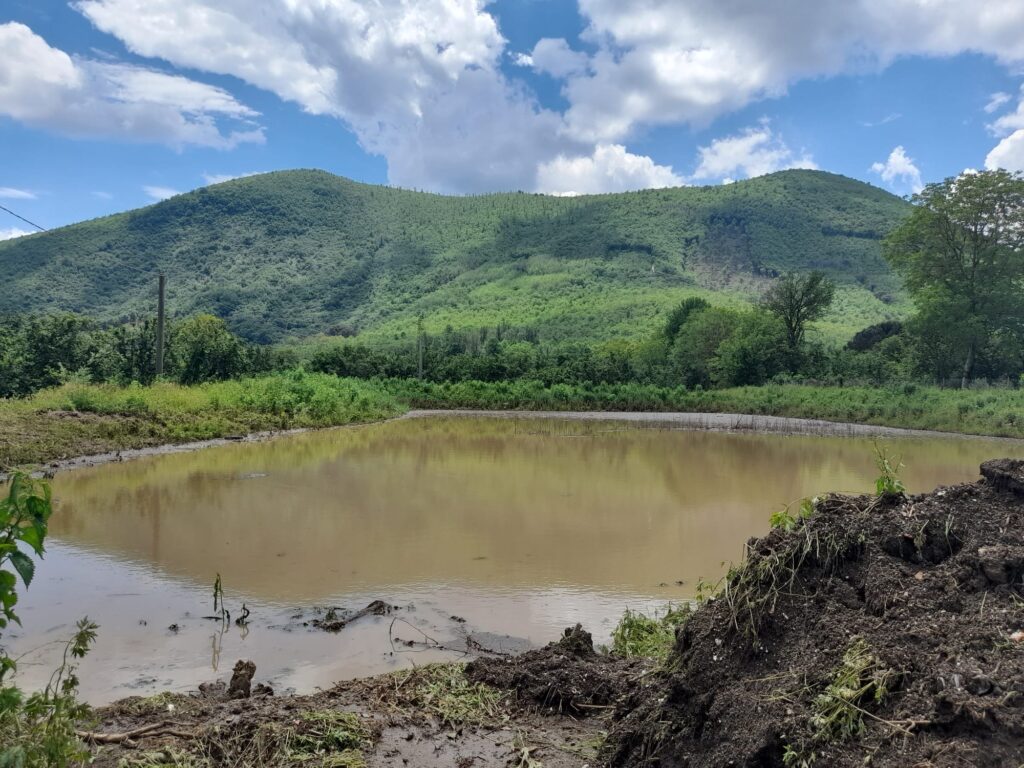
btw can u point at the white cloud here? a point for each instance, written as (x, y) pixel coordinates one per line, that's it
(43, 86)
(609, 169)
(1008, 153)
(890, 118)
(11, 193)
(400, 74)
(1010, 122)
(220, 178)
(664, 61)
(421, 84)
(899, 170)
(554, 57)
(160, 193)
(13, 232)
(997, 101)
(102, 195)
(753, 152)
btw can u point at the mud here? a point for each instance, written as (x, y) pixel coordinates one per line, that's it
(928, 587)
(567, 677)
(159, 449)
(398, 728)
(878, 631)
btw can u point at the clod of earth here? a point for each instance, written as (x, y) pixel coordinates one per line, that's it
(240, 686)
(567, 676)
(872, 633)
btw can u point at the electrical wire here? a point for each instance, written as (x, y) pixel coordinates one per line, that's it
(32, 223)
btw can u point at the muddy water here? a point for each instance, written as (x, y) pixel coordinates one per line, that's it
(518, 526)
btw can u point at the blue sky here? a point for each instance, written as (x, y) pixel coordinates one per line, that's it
(107, 105)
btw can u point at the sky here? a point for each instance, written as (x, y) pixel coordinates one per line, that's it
(107, 105)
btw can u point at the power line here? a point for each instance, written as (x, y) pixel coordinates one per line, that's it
(41, 229)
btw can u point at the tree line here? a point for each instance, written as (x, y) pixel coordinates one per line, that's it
(41, 351)
(960, 253)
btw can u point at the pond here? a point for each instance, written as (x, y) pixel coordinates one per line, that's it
(500, 530)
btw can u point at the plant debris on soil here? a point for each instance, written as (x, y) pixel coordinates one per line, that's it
(880, 631)
(567, 677)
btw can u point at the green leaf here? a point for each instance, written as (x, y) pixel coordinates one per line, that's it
(24, 566)
(33, 536)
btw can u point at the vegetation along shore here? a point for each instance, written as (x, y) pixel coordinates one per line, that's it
(87, 419)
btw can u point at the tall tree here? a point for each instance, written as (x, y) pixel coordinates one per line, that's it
(961, 254)
(797, 300)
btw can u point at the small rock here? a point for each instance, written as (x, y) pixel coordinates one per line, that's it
(979, 685)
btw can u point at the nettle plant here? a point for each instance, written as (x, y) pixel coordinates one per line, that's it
(38, 729)
(24, 516)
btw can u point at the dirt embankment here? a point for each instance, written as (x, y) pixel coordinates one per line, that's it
(878, 631)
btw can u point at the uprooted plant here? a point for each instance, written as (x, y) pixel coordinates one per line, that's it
(838, 711)
(753, 588)
(638, 635)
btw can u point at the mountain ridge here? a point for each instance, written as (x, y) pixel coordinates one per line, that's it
(293, 254)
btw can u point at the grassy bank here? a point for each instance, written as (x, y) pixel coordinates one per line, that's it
(83, 419)
(998, 412)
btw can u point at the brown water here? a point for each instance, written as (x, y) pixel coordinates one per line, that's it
(519, 526)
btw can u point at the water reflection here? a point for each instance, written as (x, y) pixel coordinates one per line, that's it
(477, 501)
(521, 526)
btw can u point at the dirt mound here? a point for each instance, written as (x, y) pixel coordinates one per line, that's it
(882, 632)
(567, 676)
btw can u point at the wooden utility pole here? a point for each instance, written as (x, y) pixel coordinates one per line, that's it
(419, 347)
(160, 327)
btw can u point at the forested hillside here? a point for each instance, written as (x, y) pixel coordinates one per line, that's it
(297, 253)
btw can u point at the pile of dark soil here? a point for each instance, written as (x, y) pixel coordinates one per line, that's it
(567, 676)
(882, 632)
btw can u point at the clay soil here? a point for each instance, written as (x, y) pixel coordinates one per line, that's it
(883, 631)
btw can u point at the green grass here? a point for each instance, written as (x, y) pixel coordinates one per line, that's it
(83, 419)
(292, 254)
(318, 738)
(442, 690)
(637, 635)
(996, 412)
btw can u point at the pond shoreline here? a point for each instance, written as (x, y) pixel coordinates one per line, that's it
(702, 422)
(891, 605)
(713, 422)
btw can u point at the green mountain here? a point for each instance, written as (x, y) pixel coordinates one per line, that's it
(297, 253)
